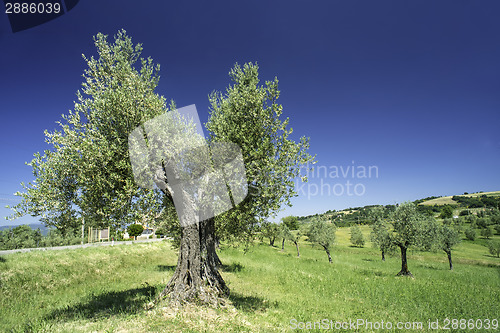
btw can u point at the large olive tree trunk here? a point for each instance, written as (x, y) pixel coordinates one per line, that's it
(196, 278)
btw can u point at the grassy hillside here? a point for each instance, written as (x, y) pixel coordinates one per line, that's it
(108, 289)
(448, 200)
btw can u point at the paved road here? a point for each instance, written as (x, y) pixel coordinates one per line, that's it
(80, 246)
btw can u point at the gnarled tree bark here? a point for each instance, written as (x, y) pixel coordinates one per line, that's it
(196, 278)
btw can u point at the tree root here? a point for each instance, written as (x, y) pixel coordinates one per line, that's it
(405, 273)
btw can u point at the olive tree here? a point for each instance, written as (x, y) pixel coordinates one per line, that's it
(323, 234)
(357, 238)
(448, 238)
(291, 235)
(494, 247)
(291, 222)
(410, 228)
(470, 233)
(270, 231)
(294, 237)
(381, 236)
(87, 172)
(487, 232)
(283, 233)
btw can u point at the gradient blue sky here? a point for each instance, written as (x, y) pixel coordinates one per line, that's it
(412, 88)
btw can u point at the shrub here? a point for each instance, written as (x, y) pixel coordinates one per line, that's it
(470, 234)
(446, 212)
(135, 230)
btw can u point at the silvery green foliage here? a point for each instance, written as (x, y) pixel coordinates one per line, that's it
(357, 238)
(412, 228)
(248, 115)
(322, 233)
(86, 171)
(170, 151)
(381, 235)
(448, 237)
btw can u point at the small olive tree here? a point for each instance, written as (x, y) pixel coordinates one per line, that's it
(470, 233)
(322, 233)
(494, 247)
(448, 238)
(411, 229)
(270, 231)
(357, 238)
(487, 232)
(294, 237)
(291, 222)
(284, 234)
(381, 237)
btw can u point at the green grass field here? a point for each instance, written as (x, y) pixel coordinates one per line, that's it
(107, 289)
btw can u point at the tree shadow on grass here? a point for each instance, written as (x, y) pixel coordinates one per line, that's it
(166, 268)
(490, 256)
(2, 259)
(106, 304)
(250, 303)
(233, 267)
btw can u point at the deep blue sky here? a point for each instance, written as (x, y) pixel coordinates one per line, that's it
(412, 88)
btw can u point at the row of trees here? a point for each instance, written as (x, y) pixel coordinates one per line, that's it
(318, 232)
(478, 201)
(404, 229)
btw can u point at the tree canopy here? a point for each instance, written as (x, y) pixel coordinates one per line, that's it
(87, 171)
(323, 234)
(410, 228)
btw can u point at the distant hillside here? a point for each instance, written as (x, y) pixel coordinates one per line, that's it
(33, 226)
(430, 205)
(449, 200)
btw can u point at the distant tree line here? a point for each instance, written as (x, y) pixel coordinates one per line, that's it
(23, 236)
(478, 202)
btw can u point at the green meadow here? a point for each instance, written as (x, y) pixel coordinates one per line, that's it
(110, 289)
